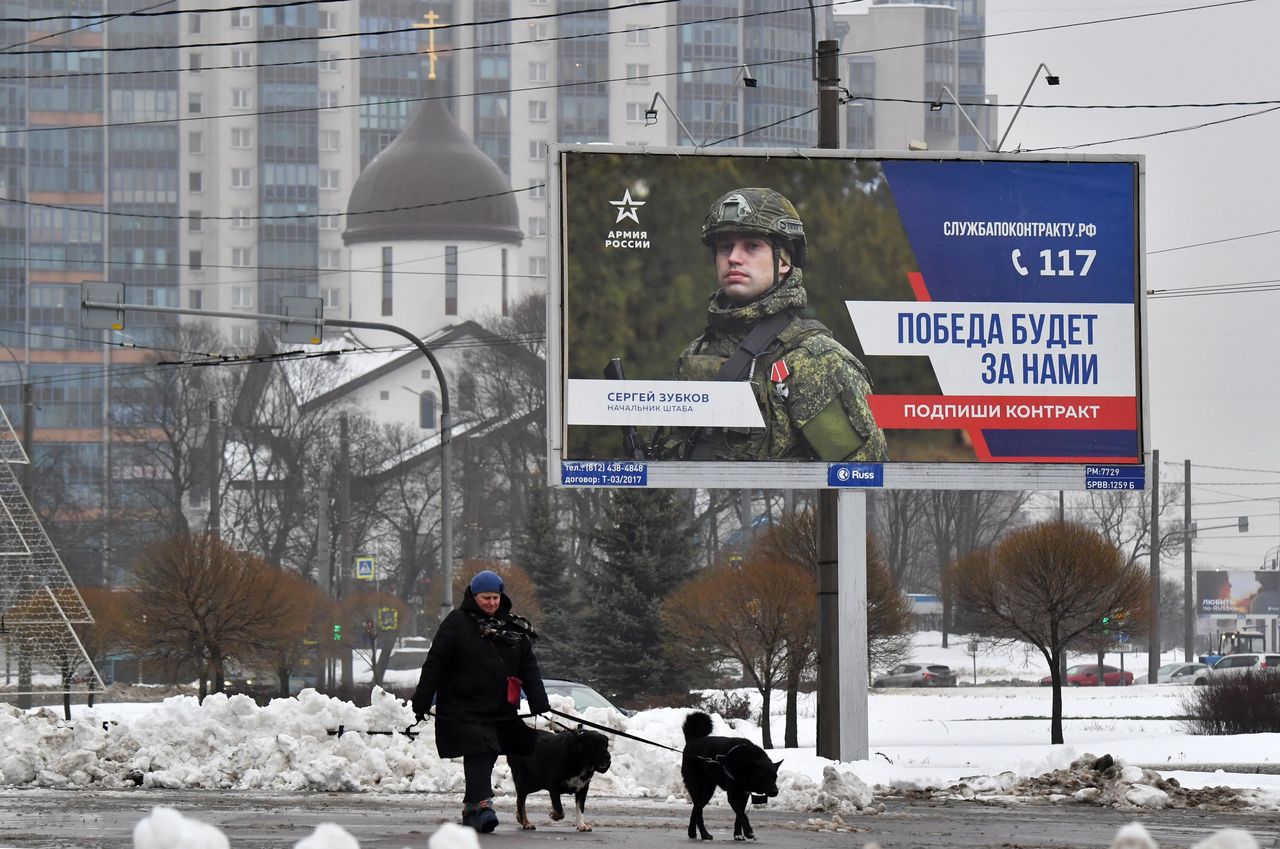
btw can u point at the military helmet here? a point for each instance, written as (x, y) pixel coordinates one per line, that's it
(758, 211)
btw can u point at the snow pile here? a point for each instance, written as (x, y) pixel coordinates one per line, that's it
(1104, 781)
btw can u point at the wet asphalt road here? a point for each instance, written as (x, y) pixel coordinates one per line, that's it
(46, 819)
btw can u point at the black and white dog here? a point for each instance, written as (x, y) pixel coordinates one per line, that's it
(739, 766)
(560, 763)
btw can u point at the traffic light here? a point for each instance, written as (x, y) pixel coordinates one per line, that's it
(337, 633)
(1106, 623)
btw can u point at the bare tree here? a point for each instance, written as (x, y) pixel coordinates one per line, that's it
(1048, 585)
(1123, 517)
(161, 417)
(960, 521)
(794, 539)
(903, 538)
(283, 439)
(750, 614)
(197, 599)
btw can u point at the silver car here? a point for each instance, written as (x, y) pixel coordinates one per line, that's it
(1177, 673)
(917, 675)
(1238, 664)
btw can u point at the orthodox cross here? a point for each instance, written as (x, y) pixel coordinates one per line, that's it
(430, 26)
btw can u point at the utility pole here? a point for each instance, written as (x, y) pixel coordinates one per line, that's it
(324, 577)
(1188, 574)
(29, 440)
(1153, 650)
(213, 525)
(346, 552)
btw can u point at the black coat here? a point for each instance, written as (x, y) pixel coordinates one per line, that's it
(466, 673)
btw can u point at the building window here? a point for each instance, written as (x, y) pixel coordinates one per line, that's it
(328, 21)
(329, 60)
(195, 261)
(241, 296)
(241, 58)
(332, 297)
(195, 142)
(427, 410)
(194, 24)
(242, 178)
(241, 217)
(450, 279)
(330, 258)
(242, 336)
(330, 179)
(195, 182)
(195, 299)
(637, 37)
(330, 219)
(384, 395)
(539, 71)
(328, 100)
(241, 98)
(195, 222)
(241, 19)
(537, 266)
(539, 30)
(329, 140)
(638, 73)
(241, 257)
(537, 225)
(386, 280)
(195, 102)
(537, 151)
(537, 188)
(537, 110)
(241, 138)
(635, 112)
(194, 62)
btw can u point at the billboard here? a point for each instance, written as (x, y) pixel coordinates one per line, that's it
(984, 319)
(1227, 593)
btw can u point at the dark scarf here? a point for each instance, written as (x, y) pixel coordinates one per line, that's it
(507, 627)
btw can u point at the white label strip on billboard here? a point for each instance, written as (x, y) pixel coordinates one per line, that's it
(670, 403)
(1021, 349)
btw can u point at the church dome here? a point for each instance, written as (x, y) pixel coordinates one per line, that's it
(413, 189)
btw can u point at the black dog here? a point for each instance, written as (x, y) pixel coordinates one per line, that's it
(739, 766)
(560, 763)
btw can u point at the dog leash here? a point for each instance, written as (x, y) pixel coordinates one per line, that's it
(614, 731)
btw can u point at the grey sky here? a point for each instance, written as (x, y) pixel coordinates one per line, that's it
(1214, 396)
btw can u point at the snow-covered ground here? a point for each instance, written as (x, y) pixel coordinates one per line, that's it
(966, 742)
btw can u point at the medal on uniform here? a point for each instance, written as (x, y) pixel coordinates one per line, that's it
(778, 374)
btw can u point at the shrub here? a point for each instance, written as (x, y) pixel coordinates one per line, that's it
(730, 704)
(1241, 704)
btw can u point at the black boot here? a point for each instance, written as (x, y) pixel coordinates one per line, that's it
(485, 816)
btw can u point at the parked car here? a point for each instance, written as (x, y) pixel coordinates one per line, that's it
(583, 696)
(917, 675)
(1086, 675)
(1176, 673)
(1238, 664)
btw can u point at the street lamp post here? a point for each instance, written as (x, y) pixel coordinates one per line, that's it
(102, 305)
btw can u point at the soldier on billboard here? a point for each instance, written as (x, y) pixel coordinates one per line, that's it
(811, 390)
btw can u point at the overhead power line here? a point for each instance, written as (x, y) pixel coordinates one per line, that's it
(150, 13)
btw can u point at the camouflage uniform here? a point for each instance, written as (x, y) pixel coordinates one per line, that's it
(810, 388)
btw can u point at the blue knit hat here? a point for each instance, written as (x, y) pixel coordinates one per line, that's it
(486, 582)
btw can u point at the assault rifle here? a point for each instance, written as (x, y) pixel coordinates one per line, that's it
(631, 439)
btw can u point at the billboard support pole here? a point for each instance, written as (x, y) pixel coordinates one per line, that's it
(842, 534)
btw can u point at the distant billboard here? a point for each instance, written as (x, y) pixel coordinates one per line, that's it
(1227, 593)
(995, 302)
